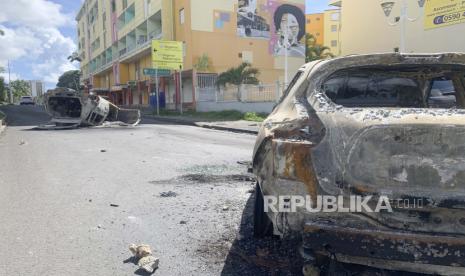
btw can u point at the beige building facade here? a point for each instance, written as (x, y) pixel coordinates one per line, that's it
(114, 38)
(332, 30)
(366, 29)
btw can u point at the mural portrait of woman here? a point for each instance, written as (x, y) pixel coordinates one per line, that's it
(289, 23)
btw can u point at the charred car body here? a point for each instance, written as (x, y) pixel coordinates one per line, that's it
(383, 125)
(69, 109)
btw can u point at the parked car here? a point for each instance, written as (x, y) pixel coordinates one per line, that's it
(26, 100)
(382, 126)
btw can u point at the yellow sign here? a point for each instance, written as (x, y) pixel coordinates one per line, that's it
(441, 13)
(167, 54)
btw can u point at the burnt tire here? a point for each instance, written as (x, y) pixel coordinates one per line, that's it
(262, 225)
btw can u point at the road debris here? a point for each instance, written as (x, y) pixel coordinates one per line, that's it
(22, 142)
(168, 194)
(103, 150)
(70, 109)
(225, 208)
(143, 255)
(114, 205)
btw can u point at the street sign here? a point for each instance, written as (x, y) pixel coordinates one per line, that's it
(167, 54)
(442, 13)
(160, 73)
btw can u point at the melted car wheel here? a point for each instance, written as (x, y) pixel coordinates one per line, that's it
(263, 227)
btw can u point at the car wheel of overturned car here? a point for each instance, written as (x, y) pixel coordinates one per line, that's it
(263, 227)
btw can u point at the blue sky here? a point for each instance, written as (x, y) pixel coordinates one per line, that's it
(315, 6)
(39, 36)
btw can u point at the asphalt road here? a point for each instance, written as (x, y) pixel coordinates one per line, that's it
(177, 188)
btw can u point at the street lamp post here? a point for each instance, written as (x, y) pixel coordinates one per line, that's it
(387, 7)
(9, 84)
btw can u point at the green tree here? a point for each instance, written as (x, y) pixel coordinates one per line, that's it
(74, 57)
(20, 88)
(243, 74)
(315, 51)
(2, 32)
(203, 63)
(69, 79)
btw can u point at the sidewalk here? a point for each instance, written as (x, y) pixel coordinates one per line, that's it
(240, 126)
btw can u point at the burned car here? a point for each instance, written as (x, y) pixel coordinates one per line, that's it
(70, 109)
(365, 130)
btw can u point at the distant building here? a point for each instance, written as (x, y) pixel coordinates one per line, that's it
(315, 25)
(332, 32)
(37, 88)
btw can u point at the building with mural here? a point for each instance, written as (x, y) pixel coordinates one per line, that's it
(115, 43)
(315, 25)
(378, 30)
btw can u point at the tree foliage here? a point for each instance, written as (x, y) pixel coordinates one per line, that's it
(203, 63)
(315, 51)
(69, 79)
(20, 88)
(242, 74)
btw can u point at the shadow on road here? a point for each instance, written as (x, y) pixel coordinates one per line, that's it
(25, 115)
(267, 256)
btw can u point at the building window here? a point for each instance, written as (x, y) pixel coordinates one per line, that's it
(333, 28)
(317, 34)
(181, 16)
(104, 20)
(125, 4)
(317, 19)
(308, 21)
(335, 16)
(113, 6)
(333, 43)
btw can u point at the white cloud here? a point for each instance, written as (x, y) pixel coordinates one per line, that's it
(13, 76)
(32, 34)
(34, 13)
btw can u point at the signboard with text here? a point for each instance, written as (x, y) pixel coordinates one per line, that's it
(155, 72)
(167, 54)
(442, 13)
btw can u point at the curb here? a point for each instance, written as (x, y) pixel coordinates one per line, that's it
(192, 123)
(237, 130)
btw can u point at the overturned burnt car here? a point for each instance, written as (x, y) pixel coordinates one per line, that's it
(387, 127)
(69, 109)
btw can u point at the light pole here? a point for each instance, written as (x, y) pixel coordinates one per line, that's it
(9, 84)
(387, 7)
(286, 45)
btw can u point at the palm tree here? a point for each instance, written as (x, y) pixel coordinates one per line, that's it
(74, 57)
(243, 74)
(315, 51)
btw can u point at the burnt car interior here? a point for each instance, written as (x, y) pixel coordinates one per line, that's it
(400, 86)
(65, 107)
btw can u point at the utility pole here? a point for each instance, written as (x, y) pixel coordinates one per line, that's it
(286, 54)
(9, 84)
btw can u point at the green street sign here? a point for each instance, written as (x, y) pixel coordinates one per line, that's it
(153, 72)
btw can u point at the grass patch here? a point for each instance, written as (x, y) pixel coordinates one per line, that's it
(227, 115)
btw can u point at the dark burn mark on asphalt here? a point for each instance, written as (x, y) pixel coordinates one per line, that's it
(198, 178)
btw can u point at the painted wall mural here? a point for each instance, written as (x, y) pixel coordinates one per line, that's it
(249, 23)
(288, 22)
(275, 21)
